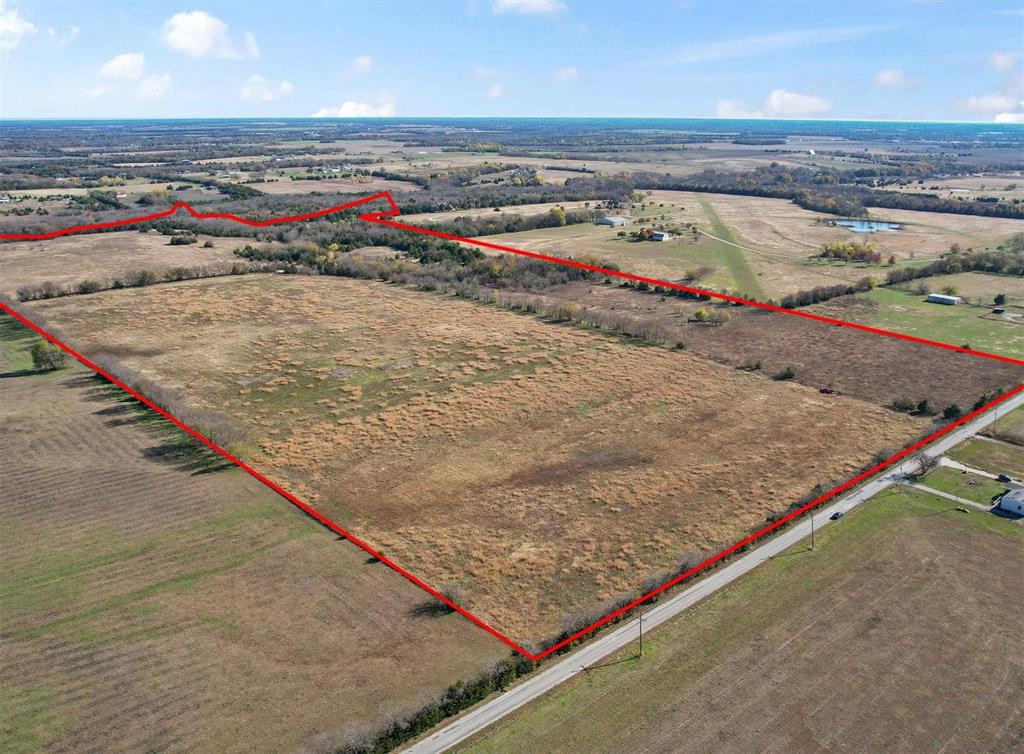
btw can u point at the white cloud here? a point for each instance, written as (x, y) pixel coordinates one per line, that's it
(154, 86)
(1002, 60)
(495, 90)
(199, 35)
(1010, 117)
(781, 103)
(362, 64)
(252, 50)
(258, 89)
(892, 77)
(13, 26)
(384, 107)
(990, 103)
(762, 44)
(127, 65)
(786, 104)
(528, 7)
(483, 72)
(63, 40)
(566, 74)
(99, 91)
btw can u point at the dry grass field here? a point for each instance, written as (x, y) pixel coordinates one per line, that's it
(541, 469)
(421, 218)
(149, 602)
(898, 633)
(361, 185)
(977, 287)
(100, 256)
(875, 368)
(1005, 187)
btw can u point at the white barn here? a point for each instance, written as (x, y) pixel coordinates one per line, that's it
(659, 235)
(613, 220)
(942, 298)
(1013, 501)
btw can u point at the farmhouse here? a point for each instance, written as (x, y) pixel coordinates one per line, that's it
(613, 220)
(1013, 501)
(659, 235)
(942, 298)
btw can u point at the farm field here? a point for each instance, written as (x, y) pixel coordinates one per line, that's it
(1008, 427)
(539, 470)
(908, 312)
(100, 256)
(153, 600)
(827, 650)
(420, 218)
(761, 247)
(865, 365)
(1005, 187)
(975, 287)
(362, 185)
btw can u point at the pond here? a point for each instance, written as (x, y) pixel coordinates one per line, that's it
(868, 226)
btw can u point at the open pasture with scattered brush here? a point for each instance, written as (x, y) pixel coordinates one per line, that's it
(539, 470)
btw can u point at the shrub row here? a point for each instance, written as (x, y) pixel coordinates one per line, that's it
(138, 279)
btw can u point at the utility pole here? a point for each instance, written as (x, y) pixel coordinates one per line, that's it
(812, 530)
(641, 635)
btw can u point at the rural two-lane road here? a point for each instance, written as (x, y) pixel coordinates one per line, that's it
(545, 680)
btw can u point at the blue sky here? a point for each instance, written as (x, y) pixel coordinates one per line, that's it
(885, 60)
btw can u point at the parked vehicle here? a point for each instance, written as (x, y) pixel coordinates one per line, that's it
(836, 516)
(1004, 478)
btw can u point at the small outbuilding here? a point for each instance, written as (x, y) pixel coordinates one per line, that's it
(659, 235)
(613, 220)
(1013, 502)
(942, 298)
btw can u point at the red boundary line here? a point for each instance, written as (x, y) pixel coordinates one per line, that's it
(378, 217)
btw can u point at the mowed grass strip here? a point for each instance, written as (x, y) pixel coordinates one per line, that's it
(832, 649)
(735, 259)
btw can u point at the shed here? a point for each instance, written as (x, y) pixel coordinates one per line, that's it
(613, 220)
(659, 235)
(1013, 502)
(942, 298)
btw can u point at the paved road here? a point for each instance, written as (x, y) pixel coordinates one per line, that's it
(592, 653)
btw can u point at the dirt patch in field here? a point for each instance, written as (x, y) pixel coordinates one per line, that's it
(541, 469)
(149, 606)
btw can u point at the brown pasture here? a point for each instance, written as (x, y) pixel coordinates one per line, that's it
(872, 367)
(542, 470)
(102, 256)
